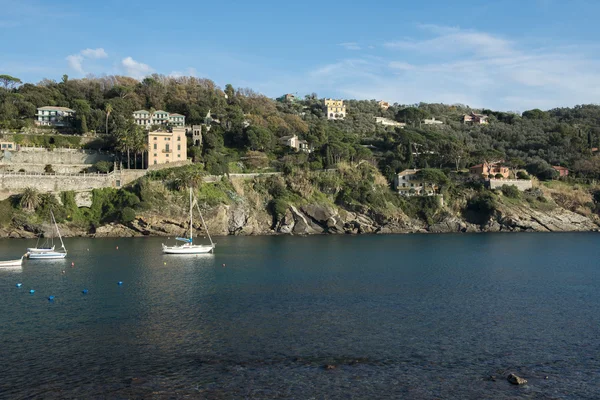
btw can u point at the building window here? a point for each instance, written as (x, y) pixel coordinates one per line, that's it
(155, 160)
(167, 147)
(118, 183)
(178, 147)
(154, 154)
(154, 146)
(178, 155)
(179, 138)
(155, 138)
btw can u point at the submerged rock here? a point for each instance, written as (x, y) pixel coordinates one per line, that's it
(516, 380)
(329, 366)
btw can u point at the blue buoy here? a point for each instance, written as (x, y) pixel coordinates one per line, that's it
(119, 283)
(50, 298)
(19, 284)
(84, 291)
(32, 291)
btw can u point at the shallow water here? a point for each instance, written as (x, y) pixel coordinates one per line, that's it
(412, 316)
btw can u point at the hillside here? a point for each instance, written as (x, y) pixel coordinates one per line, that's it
(354, 199)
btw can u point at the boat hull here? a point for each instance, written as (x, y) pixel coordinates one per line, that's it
(36, 250)
(188, 249)
(11, 263)
(46, 256)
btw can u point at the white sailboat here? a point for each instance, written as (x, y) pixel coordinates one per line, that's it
(189, 247)
(49, 253)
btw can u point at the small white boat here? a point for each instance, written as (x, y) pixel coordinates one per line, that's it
(12, 263)
(189, 247)
(49, 253)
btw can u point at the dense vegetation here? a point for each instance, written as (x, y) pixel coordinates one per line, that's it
(249, 123)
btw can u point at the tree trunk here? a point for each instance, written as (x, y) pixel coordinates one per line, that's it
(107, 123)
(128, 160)
(143, 166)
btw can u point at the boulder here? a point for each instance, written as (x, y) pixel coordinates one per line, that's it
(302, 226)
(238, 217)
(516, 380)
(286, 225)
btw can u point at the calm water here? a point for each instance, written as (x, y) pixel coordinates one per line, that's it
(415, 316)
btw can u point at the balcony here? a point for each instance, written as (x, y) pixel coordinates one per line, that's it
(167, 151)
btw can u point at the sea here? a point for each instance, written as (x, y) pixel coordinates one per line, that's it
(320, 317)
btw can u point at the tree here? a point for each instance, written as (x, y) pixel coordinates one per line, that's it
(259, 138)
(108, 109)
(30, 199)
(230, 93)
(9, 82)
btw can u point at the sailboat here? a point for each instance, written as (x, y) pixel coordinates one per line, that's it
(188, 247)
(45, 246)
(49, 253)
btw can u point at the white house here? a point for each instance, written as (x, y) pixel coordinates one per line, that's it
(54, 116)
(432, 121)
(407, 183)
(389, 122)
(159, 117)
(293, 142)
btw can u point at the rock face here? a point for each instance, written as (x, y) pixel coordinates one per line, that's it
(516, 380)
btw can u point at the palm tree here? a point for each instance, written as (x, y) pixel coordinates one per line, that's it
(108, 109)
(30, 199)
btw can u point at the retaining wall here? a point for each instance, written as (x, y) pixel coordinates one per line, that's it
(521, 184)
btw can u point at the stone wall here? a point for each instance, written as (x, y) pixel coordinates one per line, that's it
(15, 182)
(521, 184)
(40, 155)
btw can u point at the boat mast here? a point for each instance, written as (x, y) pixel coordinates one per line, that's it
(191, 217)
(204, 224)
(56, 225)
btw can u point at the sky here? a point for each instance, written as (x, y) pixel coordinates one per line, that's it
(505, 55)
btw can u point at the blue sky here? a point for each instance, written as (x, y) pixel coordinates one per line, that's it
(507, 55)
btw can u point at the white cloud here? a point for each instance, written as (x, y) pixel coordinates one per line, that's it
(350, 46)
(481, 69)
(94, 53)
(135, 69)
(75, 61)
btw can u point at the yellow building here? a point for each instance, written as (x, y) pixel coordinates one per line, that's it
(335, 109)
(166, 147)
(384, 105)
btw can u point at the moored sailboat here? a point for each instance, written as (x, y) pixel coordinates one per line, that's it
(188, 247)
(12, 263)
(48, 253)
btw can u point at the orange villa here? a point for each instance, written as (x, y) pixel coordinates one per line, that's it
(489, 170)
(562, 171)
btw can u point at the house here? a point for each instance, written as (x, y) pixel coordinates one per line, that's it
(167, 146)
(54, 116)
(389, 122)
(335, 109)
(407, 183)
(197, 135)
(8, 146)
(384, 105)
(473, 118)
(159, 117)
(490, 170)
(432, 121)
(562, 171)
(293, 142)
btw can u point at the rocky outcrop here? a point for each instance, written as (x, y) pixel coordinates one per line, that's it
(516, 380)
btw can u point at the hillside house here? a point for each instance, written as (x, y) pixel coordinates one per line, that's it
(477, 119)
(54, 116)
(432, 121)
(562, 171)
(335, 109)
(159, 117)
(167, 146)
(407, 183)
(490, 170)
(287, 98)
(384, 105)
(295, 143)
(389, 122)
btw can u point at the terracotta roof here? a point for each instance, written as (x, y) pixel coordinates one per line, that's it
(559, 168)
(56, 108)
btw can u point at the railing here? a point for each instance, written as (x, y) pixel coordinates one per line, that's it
(167, 151)
(38, 174)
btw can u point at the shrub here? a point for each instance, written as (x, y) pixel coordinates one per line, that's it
(510, 191)
(103, 166)
(522, 175)
(127, 215)
(482, 203)
(499, 176)
(48, 169)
